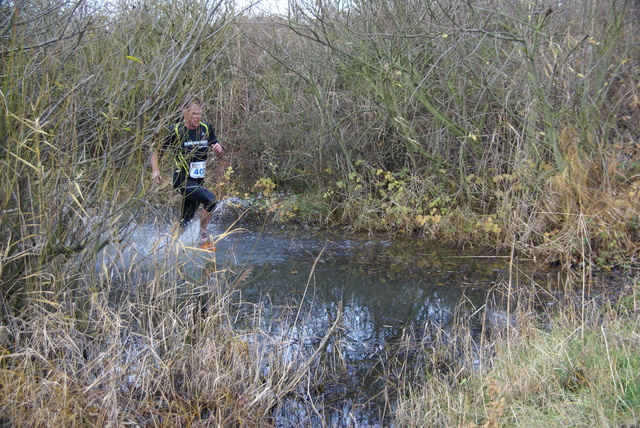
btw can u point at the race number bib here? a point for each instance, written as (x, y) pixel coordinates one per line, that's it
(197, 169)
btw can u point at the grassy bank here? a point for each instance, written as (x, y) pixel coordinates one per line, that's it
(577, 368)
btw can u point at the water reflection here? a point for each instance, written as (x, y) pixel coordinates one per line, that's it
(386, 288)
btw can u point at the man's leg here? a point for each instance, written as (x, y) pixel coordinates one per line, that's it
(209, 204)
(205, 218)
(188, 206)
(187, 212)
(200, 195)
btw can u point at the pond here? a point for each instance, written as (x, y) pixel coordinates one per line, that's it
(388, 290)
(385, 286)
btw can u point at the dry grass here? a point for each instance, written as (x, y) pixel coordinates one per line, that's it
(178, 349)
(151, 353)
(577, 368)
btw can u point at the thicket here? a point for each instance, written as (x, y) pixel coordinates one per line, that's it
(506, 124)
(498, 123)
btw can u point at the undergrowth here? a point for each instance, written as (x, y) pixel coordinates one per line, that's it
(578, 367)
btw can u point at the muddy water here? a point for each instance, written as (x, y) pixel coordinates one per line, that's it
(389, 289)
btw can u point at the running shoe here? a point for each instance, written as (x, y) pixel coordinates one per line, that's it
(207, 246)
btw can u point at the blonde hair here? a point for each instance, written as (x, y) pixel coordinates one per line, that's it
(188, 100)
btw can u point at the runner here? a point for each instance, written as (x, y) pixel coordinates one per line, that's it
(189, 142)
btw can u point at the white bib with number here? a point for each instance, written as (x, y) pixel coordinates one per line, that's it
(197, 169)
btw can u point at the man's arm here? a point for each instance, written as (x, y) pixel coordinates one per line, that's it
(217, 149)
(215, 145)
(155, 170)
(158, 147)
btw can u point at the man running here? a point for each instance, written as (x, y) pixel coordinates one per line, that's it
(189, 142)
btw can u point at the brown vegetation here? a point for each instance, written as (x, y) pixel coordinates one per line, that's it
(508, 124)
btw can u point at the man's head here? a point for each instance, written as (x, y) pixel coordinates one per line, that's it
(192, 112)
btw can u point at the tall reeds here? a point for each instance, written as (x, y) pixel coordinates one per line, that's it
(509, 115)
(508, 124)
(171, 346)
